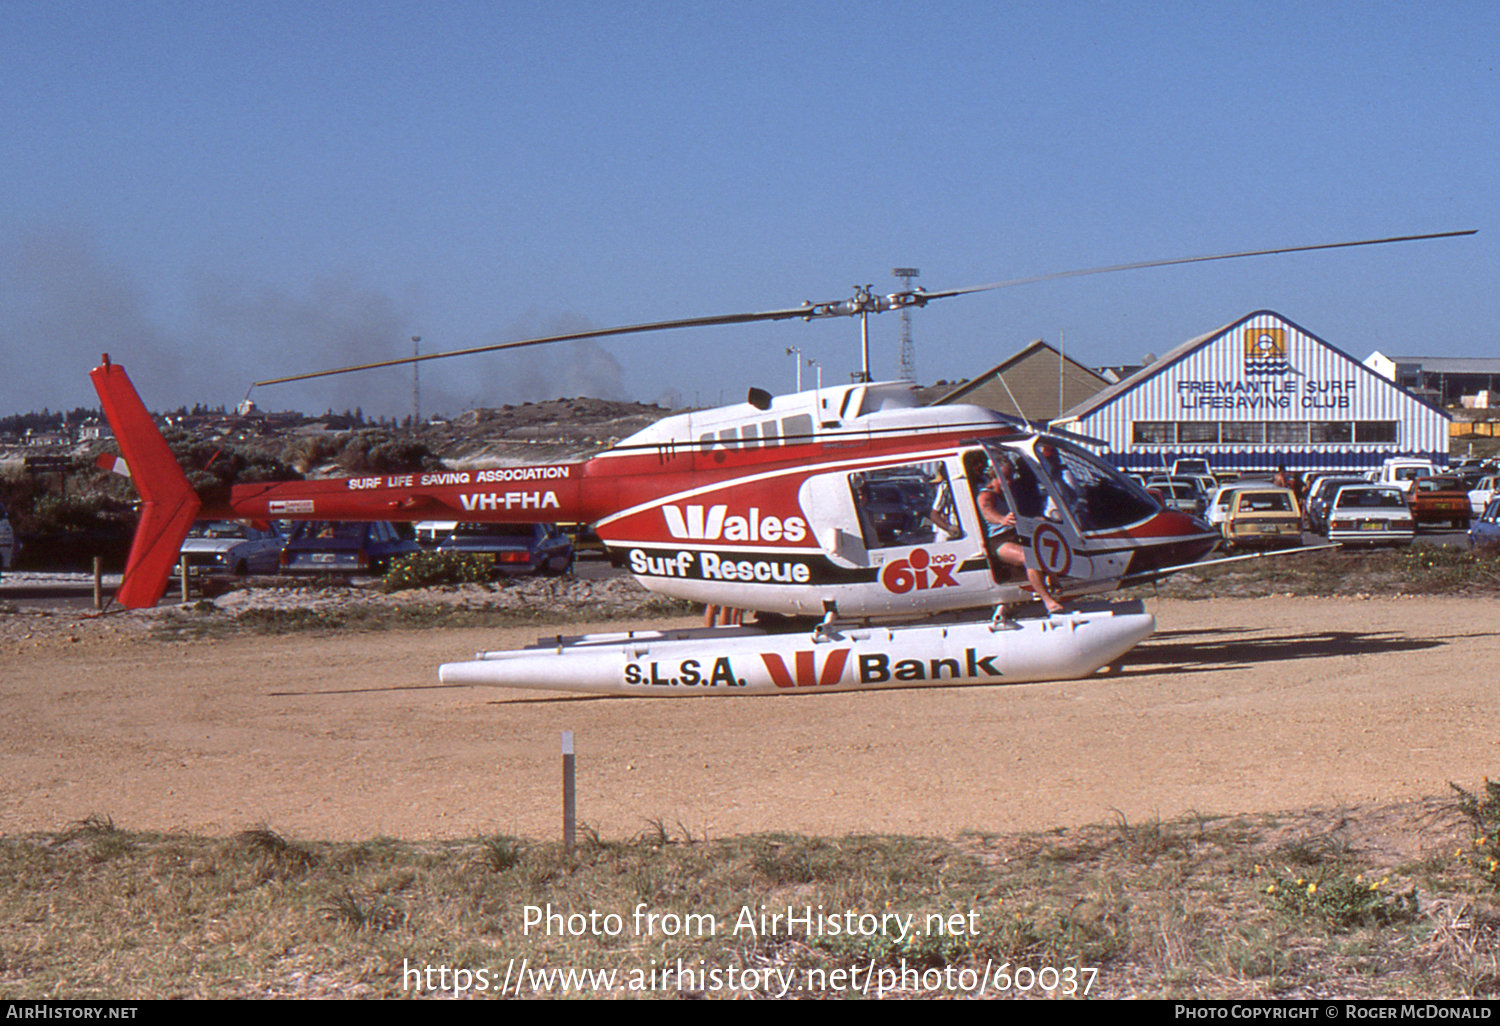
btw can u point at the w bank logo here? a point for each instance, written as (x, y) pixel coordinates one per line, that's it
(804, 672)
(1265, 351)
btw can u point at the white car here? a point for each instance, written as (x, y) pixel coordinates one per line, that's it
(1370, 515)
(1218, 504)
(1481, 494)
(432, 533)
(231, 547)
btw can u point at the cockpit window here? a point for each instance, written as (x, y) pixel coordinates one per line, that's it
(1078, 485)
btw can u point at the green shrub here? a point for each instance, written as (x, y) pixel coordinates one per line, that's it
(424, 569)
(1341, 901)
(1483, 813)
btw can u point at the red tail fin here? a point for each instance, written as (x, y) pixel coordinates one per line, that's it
(168, 502)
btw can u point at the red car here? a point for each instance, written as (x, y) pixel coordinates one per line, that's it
(1437, 499)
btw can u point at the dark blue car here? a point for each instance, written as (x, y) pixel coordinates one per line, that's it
(333, 547)
(1484, 531)
(515, 548)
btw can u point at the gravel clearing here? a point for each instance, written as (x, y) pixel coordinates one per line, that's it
(1236, 705)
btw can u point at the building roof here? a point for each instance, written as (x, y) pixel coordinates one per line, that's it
(1103, 396)
(1026, 384)
(1449, 364)
(1192, 345)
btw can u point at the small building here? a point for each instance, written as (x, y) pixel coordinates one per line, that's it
(1441, 380)
(1037, 384)
(1255, 394)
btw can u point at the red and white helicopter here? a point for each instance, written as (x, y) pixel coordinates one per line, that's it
(850, 508)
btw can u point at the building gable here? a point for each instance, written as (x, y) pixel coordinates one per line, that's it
(1028, 384)
(1256, 393)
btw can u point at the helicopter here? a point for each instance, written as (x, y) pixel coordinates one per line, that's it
(850, 510)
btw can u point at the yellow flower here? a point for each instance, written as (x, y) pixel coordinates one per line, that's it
(1312, 888)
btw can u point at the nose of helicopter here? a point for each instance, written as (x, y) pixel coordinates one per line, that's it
(1183, 538)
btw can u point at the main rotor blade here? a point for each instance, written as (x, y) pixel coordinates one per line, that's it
(689, 322)
(862, 303)
(1192, 260)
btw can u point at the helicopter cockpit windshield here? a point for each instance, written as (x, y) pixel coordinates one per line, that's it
(1072, 483)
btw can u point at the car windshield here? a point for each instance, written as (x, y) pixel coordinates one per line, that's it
(216, 529)
(1265, 502)
(1370, 498)
(1331, 485)
(326, 529)
(494, 531)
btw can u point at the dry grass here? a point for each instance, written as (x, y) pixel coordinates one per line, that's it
(1420, 570)
(1184, 909)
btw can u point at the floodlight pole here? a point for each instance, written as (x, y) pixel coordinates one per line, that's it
(908, 354)
(416, 383)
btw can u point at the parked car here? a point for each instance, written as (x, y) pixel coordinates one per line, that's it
(1484, 531)
(334, 547)
(1402, 472)
(1481, 494)
(1179, 493)
(1370, 514)
(516, 548)
(1192, 468)
(1262, 518)
(1320, 500)
(1218, 505)
(430, 533)
(1440, 499)
(586, 541)
(231, 547)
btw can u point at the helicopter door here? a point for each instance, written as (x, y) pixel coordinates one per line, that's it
(910, 528)
(1044, 505)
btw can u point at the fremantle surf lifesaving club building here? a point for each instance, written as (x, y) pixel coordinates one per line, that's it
(1259, 393)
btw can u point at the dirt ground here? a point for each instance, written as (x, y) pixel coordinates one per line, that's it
(1235, 706)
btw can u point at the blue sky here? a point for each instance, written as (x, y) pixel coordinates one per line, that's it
(216, 192)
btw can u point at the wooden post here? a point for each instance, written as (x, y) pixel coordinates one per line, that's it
(98, 583)
(570, 791)
(182, 568)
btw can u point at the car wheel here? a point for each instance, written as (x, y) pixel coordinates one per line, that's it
(241, 569)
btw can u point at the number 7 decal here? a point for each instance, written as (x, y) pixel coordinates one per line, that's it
(1051, 550)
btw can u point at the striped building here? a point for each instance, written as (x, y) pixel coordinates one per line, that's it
(1256, 394)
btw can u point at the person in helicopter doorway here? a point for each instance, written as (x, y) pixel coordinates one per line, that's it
(1063, 479)
(1002, 541)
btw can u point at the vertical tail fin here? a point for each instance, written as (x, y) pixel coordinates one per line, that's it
(168, 502)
